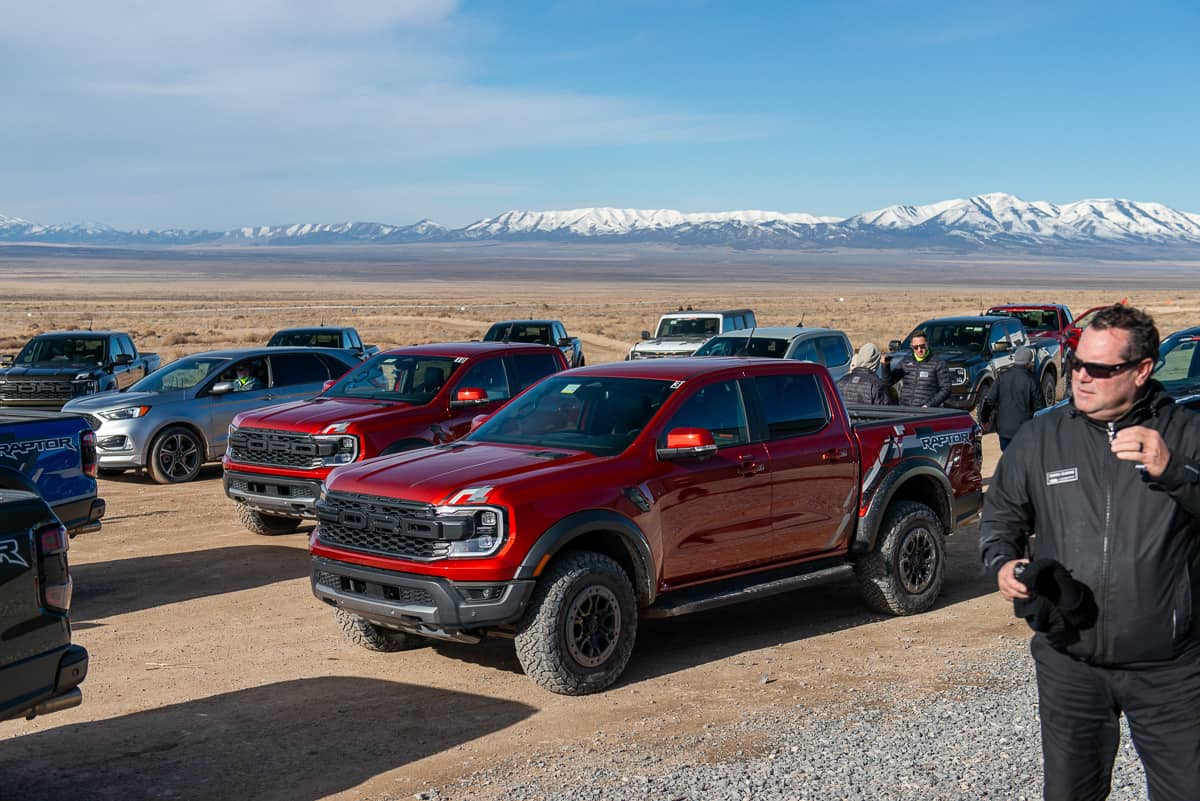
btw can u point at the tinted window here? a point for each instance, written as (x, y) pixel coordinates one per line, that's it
(67, 350)
(688, 327)
(744, 346)
(559, 332)
(289, 369)
(336, 368)
(529, 368)
(352, 340)
(487, 375)
(717, 407)
(965, 336)
(834, 351)
(806, 351)
(792, 404)
(124, 345)
(313, 338)
(403, 377)
(183, 373)
(533, 332)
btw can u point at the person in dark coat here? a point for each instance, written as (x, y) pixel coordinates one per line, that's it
(1111, 485)
(863, 384)
(1013, 398)
(926, 377)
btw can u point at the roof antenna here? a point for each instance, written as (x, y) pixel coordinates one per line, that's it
(801, 323)
(749, 337)
(90, 321)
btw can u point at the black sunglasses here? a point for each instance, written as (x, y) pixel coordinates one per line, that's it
(1097, 370)
(920, 347)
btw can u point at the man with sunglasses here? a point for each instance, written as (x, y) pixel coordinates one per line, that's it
(926, 377)
(1111, 485)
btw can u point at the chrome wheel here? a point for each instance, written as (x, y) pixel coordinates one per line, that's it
(176, 457)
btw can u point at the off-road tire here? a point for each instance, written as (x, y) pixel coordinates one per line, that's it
(903, 575)
(266, 524)
(176, 455)
(984, 388)
(372, 637)
(579, 630)
(1048, 385)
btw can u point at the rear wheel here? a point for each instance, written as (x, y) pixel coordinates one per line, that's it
(265, 524)
(176, 456)
(984, 388)
(372, 637)
(904, 574)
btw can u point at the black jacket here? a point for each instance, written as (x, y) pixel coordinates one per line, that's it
(1011, 401)
(926, 383)
(1135, 542)
(861, 385)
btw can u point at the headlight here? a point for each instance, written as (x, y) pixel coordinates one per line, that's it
(487, 530)
(125, 413)
(336, 449)
(958, 375)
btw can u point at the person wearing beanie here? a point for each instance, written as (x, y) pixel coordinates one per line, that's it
(1013, 398)
(863, 384)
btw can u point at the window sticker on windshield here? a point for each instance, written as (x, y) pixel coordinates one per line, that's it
(459, 359)
(677, 385)
(569, 389)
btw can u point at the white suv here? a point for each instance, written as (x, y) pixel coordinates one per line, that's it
(680, 333)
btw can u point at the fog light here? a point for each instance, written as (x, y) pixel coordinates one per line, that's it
(112, 443)
(481, 594)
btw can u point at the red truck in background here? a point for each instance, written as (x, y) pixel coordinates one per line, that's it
(396, 401)
(1040, 320)
(649, 487)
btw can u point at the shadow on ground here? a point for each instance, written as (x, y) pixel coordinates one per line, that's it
(323, 735)
(104, 589)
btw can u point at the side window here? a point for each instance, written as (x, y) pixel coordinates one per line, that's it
(834, 351)
(998, 333)
(751, 321)
(558, 332)
(124, 345)
(289, 369)
(806, 351)
(335, 368)
(717, 407)
(793, 405)
(1014, 332)
(352, 340)
(529, 368)
(487, 375)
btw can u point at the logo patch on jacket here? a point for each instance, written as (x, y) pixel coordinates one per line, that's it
(1062, 476)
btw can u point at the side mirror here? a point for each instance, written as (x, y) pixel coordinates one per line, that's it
(1001, 347)
(7, 359)
(645, 334)
(565, 342)
(221, 388)
(685, 442)
(894, 345)
(123, 358)
(328, 384)
(469, 396)
(479, 420)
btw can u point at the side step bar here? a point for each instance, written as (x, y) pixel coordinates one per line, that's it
(760, 585)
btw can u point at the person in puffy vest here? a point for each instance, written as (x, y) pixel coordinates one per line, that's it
(863, 384)
(1013, 398)
(926, 377)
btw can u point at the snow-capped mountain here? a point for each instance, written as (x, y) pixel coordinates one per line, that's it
(987, 221)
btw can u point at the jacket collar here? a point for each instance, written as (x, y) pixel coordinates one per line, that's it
(1153, 400)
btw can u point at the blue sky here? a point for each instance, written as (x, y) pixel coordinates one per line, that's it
(211, 115)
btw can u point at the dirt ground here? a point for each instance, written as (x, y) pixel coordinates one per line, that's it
(215, 673)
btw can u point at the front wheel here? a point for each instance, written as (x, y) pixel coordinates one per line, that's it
(265, 524)
(904, 574)
(1048, 386)
(579, 631)
(176, 456)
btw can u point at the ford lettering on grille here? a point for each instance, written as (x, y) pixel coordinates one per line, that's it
(381, 525)
(277, 448)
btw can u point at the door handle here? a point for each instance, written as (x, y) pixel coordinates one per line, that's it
(835, 454)
(749, 467)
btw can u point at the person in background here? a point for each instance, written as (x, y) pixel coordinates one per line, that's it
(926, 377)
(1111, 485)
(245, 380)
(863, 384)
(1013, 398)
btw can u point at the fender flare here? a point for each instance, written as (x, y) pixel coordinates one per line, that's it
(593, 521)
(867, 530)
(197, 430)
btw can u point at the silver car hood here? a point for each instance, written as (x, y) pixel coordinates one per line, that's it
(106, 401)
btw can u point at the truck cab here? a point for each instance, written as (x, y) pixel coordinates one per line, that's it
(681, 333)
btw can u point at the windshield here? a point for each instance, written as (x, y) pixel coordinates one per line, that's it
(63, 350)
(594, 414)
(538, 333)
(306, 339)
(1179, 363)
(688, 327)
(399, 377)
(744, 346)
(954, 336)
(185, 373)
(1031, 319)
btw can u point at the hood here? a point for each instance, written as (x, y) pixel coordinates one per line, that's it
(432, 475)
(62, 370)
(311, 416)
(958, 356)
(671, 343)
(104, 401)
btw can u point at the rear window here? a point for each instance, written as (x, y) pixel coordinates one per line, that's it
(744, 346)
(306, 339)
(793, 405)
(834, 351)
(290, 369)
(530, 368)
(537, 333)
(688, 327)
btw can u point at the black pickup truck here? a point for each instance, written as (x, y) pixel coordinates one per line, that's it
(40, 670)
(54, 368)
(323, 336)
(539, 332)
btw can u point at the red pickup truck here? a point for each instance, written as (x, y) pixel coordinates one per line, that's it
(396, 401)
(652, 487)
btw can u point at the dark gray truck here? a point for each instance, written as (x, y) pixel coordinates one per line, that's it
(53, 368)
(323, 336)
(539, 332)
(40, 670)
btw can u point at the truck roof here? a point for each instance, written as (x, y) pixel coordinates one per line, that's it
(695, 312)
(680, 369)
(322, 327)
(77, 334)
(471, 348)
(1032, 306)
(967, 318)
(778, 332)
(544, 321)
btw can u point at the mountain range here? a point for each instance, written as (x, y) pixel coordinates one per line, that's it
(984, 222)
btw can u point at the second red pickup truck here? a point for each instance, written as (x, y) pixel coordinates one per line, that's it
(642, 488)
(396, 401)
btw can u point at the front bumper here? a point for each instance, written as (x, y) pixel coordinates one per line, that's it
(276, 495)
(122, 443)
(427, 605)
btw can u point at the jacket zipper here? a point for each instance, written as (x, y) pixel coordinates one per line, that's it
(1100, 644)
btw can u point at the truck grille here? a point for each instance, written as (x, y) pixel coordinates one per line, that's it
(297, 490)
(663, 354)
(386, 526)
(405, 595)
(36, 390)
(274, 448)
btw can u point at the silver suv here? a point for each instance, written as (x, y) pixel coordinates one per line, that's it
(826, 346)
(680, 333)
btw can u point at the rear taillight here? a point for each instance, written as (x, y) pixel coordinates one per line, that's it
(53, 540)
(58, 596)
(87, 453)
(56, 583)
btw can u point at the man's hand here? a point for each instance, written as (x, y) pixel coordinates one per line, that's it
(1010, 586)
(1144, 446)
